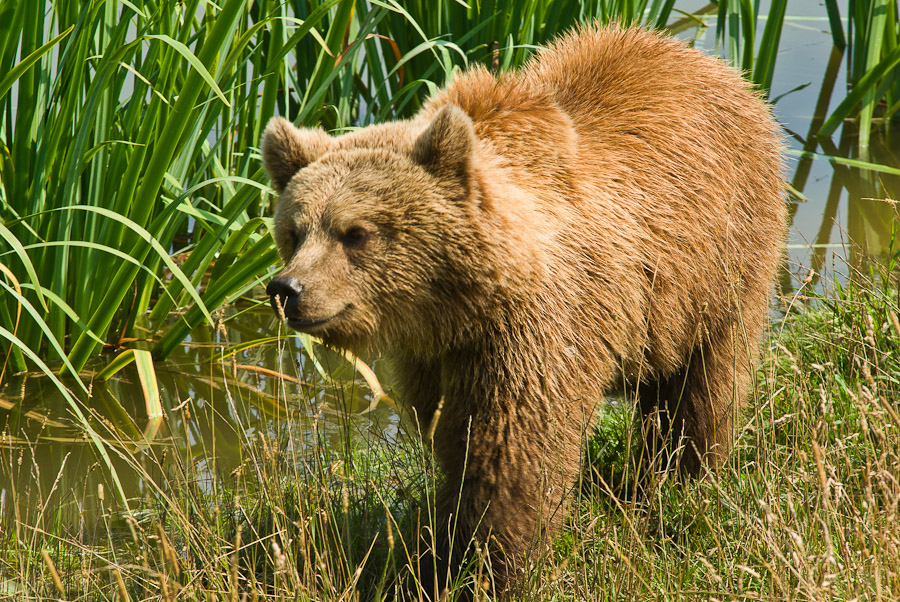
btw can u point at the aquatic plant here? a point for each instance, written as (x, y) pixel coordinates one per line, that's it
(129, 183)
(871, 43)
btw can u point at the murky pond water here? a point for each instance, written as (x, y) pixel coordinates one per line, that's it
(215, 400)
(213, 405)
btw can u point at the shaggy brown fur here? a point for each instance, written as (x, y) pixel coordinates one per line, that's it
(609, 216)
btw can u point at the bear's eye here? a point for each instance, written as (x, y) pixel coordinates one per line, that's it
(355, 237)
(298, 237)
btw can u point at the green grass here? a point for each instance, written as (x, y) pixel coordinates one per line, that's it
(806, 509)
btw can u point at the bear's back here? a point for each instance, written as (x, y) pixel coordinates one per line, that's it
(636, 147)
(683, 142)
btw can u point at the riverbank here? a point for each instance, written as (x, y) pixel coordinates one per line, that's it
(806, 508)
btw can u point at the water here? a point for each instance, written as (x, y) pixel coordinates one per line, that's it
(844, 205)
(213, 407)
(844, 216)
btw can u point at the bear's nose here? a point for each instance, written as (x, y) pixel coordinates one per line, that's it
(283, 291)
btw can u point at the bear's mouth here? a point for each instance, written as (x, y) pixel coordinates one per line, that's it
(298, 324)
(314, 326)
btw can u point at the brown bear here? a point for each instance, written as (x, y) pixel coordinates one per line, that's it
(609, 217)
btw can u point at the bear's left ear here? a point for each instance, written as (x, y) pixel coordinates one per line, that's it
(287, 149)
(446, 146)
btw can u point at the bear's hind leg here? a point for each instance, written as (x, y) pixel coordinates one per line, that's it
(689, 415)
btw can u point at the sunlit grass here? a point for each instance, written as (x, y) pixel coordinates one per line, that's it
(806, 509)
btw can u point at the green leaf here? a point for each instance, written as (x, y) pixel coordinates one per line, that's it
(194, 61)
(764, 68)
(259, 258)
(877, 19)
(149, 385)
(242, 346)
(866, 84)
(20, 252)
(834, 22)
(66, 309)
(16, 72)
(844, 161)
(154, 244)
(146, 375)
(42, 324)
(118, 363)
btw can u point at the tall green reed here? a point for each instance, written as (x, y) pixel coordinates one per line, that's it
(127, 141)
(736, 35)
(499, 34)
(871, 43)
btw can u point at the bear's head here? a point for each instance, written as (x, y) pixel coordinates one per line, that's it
(375, 227)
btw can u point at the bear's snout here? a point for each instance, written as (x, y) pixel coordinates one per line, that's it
(284, 295)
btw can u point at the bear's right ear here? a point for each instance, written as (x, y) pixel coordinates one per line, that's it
(446, 146)
(287, 149)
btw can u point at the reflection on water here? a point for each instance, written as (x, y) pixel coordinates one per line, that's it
(846, 208)
(844, 211)
(214, 407)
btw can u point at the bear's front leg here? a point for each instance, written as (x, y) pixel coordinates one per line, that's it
(419, 382)
(508, 468)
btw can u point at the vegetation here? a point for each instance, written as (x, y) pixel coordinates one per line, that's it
(872, 41)
(132, 209)
(805, 510)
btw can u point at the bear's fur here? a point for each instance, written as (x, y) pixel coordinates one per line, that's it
(610, 216)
